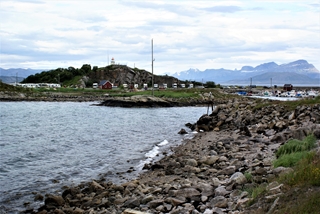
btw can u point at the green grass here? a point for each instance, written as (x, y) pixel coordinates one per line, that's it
(248, 176)
(306, 179)
(295, 146)
(169, 93)
(258, 191)
(74, 81)
(159, 93)
(306, 172)
(302, 185)
(11, 88)
(293, 151)
(289, 160)
(255, 193)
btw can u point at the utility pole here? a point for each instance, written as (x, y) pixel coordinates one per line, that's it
(152, 59)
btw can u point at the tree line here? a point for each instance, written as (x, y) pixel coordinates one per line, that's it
(60, 75)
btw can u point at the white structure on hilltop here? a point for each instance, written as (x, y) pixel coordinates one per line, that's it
(112, 61)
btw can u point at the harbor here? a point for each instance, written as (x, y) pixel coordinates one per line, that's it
(275, 92)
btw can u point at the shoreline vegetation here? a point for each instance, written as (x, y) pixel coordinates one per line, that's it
(249, 156)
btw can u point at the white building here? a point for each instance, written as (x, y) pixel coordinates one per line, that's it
(112, 61)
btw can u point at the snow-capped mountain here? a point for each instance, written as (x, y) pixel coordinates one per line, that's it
(297, 72)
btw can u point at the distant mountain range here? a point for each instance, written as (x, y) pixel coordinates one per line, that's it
(12, 75)
(299, 72)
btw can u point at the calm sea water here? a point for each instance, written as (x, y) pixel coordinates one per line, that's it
(46, 145)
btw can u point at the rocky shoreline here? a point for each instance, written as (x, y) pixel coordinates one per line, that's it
(210, 173)
(138, 101)
(150, 102)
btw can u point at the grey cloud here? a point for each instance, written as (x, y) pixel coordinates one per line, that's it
(25, 46)
(29, 50)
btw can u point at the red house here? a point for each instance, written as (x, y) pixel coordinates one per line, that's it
(287, 87)
(105, 84)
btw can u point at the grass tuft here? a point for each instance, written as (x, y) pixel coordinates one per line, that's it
(302, 184)
(296, 146)
(289, 160)
(248, 176)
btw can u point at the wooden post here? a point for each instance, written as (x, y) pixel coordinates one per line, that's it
(210, 103)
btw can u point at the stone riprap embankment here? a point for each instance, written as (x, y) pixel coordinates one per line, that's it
(268, 120)
(207, 174)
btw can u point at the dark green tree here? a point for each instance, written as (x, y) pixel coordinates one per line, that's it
(210, 84)
(86, 69)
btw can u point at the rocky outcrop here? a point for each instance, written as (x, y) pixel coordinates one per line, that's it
(267, 121)
(120, 74)
(151, 101)
(137, 101)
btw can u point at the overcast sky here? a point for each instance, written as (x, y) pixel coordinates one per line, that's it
(48, 34)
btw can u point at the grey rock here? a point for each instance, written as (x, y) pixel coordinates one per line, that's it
(221, 191)
(227, 171)
(219, 201)
(238, 178)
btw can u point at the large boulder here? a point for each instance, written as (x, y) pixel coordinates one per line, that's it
(54, 201)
